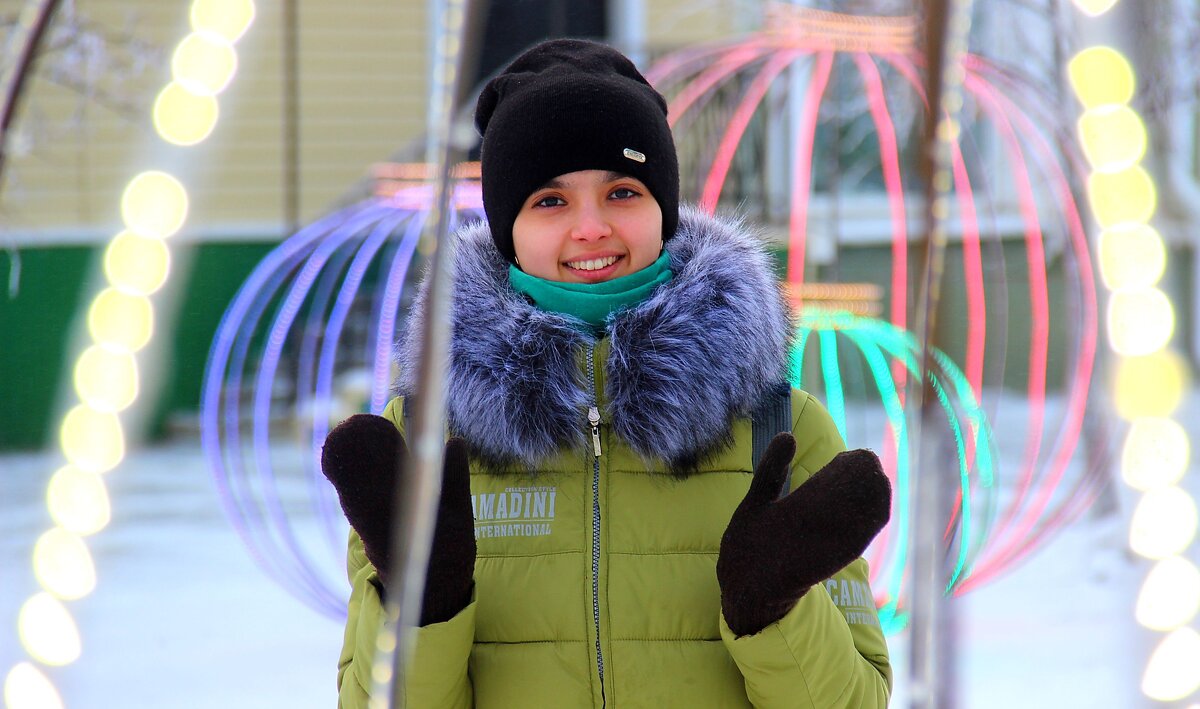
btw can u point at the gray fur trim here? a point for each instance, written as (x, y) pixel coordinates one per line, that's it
(702, 350)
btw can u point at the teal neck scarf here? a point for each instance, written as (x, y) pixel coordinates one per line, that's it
(592, 303)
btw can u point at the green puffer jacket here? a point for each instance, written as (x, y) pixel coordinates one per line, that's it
(595, 582)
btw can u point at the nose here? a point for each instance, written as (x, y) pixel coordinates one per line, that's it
(590, 224)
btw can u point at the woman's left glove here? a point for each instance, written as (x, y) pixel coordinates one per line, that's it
(363, 457)
(775, 549)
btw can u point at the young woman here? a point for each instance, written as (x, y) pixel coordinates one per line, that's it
(606, 537)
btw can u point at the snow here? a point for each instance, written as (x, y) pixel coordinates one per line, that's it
(183, 617)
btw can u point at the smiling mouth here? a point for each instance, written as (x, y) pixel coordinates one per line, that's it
(593, 264)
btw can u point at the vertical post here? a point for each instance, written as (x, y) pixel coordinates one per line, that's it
(933, 672)
(628, 29)
(451, 134)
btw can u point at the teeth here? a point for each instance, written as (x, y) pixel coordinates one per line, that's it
(594, 264)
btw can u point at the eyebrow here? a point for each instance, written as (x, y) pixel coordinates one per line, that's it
(556, 184)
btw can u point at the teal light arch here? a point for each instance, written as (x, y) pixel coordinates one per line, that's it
(889, 355)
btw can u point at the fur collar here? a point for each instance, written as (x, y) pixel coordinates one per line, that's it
(702, 350)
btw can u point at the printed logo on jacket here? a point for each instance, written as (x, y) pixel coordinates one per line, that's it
(516, 512)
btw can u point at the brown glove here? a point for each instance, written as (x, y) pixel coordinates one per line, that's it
(363, 457)
(775, 549)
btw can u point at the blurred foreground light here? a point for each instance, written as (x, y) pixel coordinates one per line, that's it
(1170, 595)
(1094, 8)
(105, 379)
(204, 63)
(1101, 75)
(226, 18)
(1140, 321)
(1113, 137)
(47, 631)
(63, 566)
(1171, 673)
(182, 117)
(136, 264)
(1163, 524)
(1121, 197)
(154, 204)
(1155, 453)
(78, 501)
(26, 687)
(1151, 386)
(92, 440)
(1131, 256)
(121, 321)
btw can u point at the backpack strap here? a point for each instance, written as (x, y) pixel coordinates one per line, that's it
(773, 416)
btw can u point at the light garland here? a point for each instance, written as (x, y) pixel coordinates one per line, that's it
(1150, 377)
(120, 324)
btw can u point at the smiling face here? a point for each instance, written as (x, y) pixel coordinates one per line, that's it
(588, 226)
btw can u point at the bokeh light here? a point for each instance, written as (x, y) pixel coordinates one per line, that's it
(1120, 197)
(1101, 75)
(26, 687)
(1170, 595)
(1155, 453)
(121, 321)
(228, 19)
(136, 264)
(78, 500)
(1113, 137)
(1171, 673)
(154, 205)
(1094, 7)
(92, 440)
(204, 63)
(106, 379)
(182, 117)
(1140, 321)
(47, 630)
(1131, 256)
(63, 565)
(1151, 385)
(1163, 524)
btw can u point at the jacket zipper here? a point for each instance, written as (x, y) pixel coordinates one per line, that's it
(594, 421)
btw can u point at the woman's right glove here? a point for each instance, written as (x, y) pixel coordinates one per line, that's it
(775, 549)
(363, 457)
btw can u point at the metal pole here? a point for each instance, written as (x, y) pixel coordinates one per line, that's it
(933, 672)
(451, 134)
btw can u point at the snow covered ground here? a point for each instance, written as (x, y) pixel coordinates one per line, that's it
(183, 617)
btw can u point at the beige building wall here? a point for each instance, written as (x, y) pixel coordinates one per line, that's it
(362, 84)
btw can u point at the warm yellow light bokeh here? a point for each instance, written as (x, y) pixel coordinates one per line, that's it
(1122, 197)
(1163, 523)
(47, 631)
(63, 565)
(226, 18)
(78, 501)
(1101, 75)
(154, 205)
(1171, 673)
(1094, 8)
(182, 117)
(136, 264)
(105, 379)
(1131, 256)
(204, 63)
(121, 321)
(1113, 137)
(92, 440)
(1140, 321)
(26, 687)
(1150, 386)
(1155, 453)
(1170, 595)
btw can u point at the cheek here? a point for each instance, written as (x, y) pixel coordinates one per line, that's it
(536, 250)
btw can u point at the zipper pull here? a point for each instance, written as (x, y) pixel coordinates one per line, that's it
(594, 419)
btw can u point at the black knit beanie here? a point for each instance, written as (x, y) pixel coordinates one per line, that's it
(568, 105)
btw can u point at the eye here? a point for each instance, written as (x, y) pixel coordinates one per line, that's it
(548, 201)
(624, 193)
